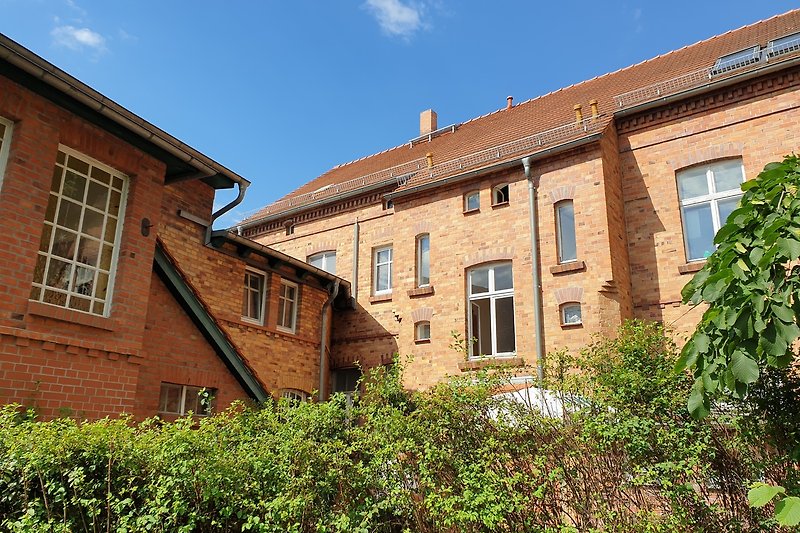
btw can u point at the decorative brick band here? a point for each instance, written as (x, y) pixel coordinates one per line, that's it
(488, 255)
(422, 314)
(565, 192)
(49, 342)
(568, 294)
(704, 155)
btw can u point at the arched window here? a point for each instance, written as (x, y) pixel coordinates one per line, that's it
(324, 260)
(490, 302)
(294, 396)
(565, 232)
(500, 194)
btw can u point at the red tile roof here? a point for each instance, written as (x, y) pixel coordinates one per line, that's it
(541, 122)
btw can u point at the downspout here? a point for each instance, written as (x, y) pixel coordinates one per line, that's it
(322, 359)
(236, 201)
(538, 321)
(354, 280)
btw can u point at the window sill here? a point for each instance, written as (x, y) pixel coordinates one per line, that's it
(572, 266)
(251, 322)
(380, 298)
(472, 211)
(421, 291)
(422, 341)
(484, 362)
(70, 315)
(691, 268)
(285, 330)
(574, 325)
(500, 204)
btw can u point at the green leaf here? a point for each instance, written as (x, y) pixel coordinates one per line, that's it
(698, 403)
(761, 493)
(788, 332)
(787, 511)
(688, 357)
(789, 248)
(744, 369)
(783, 312)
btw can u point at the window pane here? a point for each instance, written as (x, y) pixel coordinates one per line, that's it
(424, 256)
(503, 278)
(330, 263)
(571, 314)
(481, 327)
(728, 175)
(504, 315)
(699, 229)
(473, 201)
(693, 183)
(566, 232)
(479, 281)
(423, 331)
(74, 186)
(383, 278)
(726, 207)
(170, 398)
(316, 260)
(346, 380)
(385, 255)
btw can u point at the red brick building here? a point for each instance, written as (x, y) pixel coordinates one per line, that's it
(537, 225)
(116, 294)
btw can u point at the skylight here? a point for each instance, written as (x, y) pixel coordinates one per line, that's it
(784, 45)
(736, 60)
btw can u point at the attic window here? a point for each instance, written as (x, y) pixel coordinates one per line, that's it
(736, 60)
(784, 45)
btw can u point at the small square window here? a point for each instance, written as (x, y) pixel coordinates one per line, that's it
(388, 204)
(182, 399)
(253, 297)
(500, 194)
(422, 331)
(472, 201)
(290, 228)
(571, 314)
(287, 306)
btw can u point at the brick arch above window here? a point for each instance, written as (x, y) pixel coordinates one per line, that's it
(568, 294)
(292, 383)
(489, 255)
(383, 234)
(422, 227)
(422, 314)
(565, 192)
(705, 155)
(319, 247)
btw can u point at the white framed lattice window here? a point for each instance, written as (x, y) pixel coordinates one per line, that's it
(254, 296)
(178, 399)
(382, 270)
(294, 396)
(708, 194)
(287, 306)
(5, 143)
(80, 239)
(324, 260)
(491, 311)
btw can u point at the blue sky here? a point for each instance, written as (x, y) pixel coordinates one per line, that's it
(281, 91)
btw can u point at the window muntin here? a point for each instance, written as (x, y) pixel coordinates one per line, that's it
(80, 239)
(571, 314)
(500, 194)
(423, 260)
(382, 272)
(253, 296)
(5, 142)
(565, 232)
(324, 260)
(295, 396)
(287, 306)
(491, 310)
(181, 399)
(472, 201)
(708, 194)
(422, 331)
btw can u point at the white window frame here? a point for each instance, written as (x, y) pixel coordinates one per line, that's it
(376, 290)
(563, 313)
(263, 295)
(422, 331)
(560, 232)
(5, 147)
(294, 396)
(324, 258)
(423, 266)
(471, 194)
(282, 302)
(492, 295)
(183, 391)
(496, 190)
(70, 292)
(712, 198)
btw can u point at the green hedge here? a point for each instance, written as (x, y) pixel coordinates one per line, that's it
(454, 458)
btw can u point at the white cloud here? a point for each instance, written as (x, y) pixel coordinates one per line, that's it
(78, 38)
(396, 17)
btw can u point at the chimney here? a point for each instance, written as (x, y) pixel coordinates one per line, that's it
(427, 122)
(510, 100)
(593, 106)
(578, 113)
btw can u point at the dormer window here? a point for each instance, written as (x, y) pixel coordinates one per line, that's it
(736, 60)
(784, 45)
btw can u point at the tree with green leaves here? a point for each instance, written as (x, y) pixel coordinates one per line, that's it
(751, 285)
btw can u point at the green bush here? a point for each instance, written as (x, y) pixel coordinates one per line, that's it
(456, 458)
